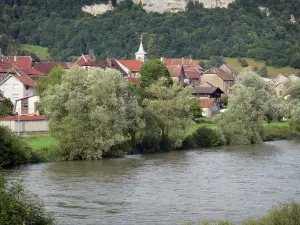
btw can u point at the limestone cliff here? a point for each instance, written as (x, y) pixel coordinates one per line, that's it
(158, 5)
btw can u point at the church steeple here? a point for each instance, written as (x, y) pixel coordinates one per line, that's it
(141, 54)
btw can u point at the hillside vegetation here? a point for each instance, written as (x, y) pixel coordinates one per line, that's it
(239, 31)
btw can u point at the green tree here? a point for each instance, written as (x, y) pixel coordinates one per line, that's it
(196, 109)
(263, 72)
(90, 112)
(295, 117)
(13, 149)
(17, 206)
(171, 109)
(152, 70)
(6, 106)
(53, 78)
(248, 107)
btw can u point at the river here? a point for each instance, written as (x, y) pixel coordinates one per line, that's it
(168, 188)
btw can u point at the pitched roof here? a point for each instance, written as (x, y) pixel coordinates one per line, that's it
(207, 103)
(85, 60)
(23, 118)
(46, 67)
(228, 69)
(221, 73)
(206, 90)
(132, 65)
(24, 63)
(183, 61)
(174, 70)
(205, 84)
(192, 73)
(26, 80)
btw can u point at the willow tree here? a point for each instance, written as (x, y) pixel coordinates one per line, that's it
(170, 107)
(91, 112)
(250, 103)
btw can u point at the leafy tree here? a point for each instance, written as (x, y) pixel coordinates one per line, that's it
(6, 106)
(17, 206)
(152, 70)
(171, 109)
(13, 150)
(295, 117)
(90, 112)
(196, 109)
(243, 62)
(216, 61)
(53, 78)
(248, 106)
(263, 72)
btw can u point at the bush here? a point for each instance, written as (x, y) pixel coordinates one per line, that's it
(274, 132)
(17, 206)
(204, 137)
(13, 149)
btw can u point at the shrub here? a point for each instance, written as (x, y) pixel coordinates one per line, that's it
(13, 149)
(17, 206)
(274, 132)
(204, 137)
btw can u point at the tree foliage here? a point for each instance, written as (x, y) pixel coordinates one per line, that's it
(249, 104)
(6, 106)
(17, 206)
(13, 150)
(152, 70)
(90, 112)
(170, 109)
(239, 31)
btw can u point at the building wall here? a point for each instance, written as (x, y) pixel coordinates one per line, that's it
(31, 105)
(12, 88)
(27, 126)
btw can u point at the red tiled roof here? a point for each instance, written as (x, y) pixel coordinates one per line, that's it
(183, 61)
(192, 73)
(26, 80)
(132, 65)
(46, 67)
(23, 118)
(207, 103)
(24, 63)
(1, 99)
(174, 70)
(86, 60)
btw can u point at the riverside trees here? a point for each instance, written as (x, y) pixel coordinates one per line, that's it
(93, 112)
(250, 104)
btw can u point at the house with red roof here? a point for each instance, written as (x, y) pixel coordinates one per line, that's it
(131, 67)
(16, 86)
(25, 125)
(177, 73)
(210, 107)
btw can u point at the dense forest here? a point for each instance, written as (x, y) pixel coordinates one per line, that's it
(242, 30)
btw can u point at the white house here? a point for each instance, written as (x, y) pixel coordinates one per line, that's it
(16, 87)
(27, 105)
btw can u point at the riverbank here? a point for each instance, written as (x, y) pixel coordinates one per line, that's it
(204, 134)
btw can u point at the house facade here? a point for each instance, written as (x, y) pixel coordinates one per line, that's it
(210, 107)
(27, 105)
(15, 87)
(177, 73)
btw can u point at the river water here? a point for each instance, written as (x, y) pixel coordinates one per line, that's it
(168, 188)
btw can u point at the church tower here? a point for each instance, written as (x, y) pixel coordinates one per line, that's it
(141, 55)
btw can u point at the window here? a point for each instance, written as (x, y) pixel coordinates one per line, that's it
(15, 86)
(25, 105)
(5, 87)
(27, 87)
(15, 96)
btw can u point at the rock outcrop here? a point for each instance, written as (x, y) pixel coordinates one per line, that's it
(158, 5)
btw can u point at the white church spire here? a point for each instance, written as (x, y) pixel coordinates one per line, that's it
(141, 54)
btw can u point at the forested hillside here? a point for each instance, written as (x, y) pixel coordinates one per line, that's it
(242, 30)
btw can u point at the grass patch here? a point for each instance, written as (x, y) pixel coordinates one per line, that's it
(41, 52)
(272, 71)
(41, 141)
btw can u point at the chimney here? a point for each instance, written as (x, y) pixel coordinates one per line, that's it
(182, 60)
(15, 58)
(162, 59)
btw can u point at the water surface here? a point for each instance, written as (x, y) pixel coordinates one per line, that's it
(169, 188)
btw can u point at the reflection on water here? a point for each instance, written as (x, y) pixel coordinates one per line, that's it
(168, 188)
